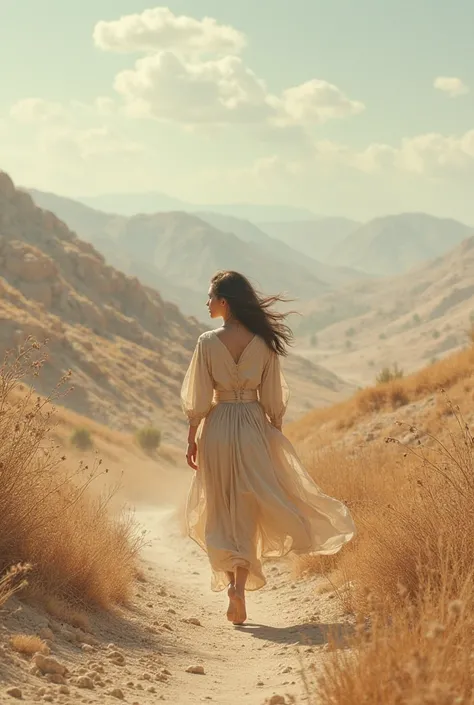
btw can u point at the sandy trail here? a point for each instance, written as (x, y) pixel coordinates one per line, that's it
(140, 653)
(288, 625)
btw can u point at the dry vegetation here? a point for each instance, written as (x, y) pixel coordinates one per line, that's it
(48, 518)
(411, 567)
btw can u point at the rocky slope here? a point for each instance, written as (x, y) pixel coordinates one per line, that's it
(126, 346)
(409, 319)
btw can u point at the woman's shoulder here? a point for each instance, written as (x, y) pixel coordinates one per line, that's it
(206, 337)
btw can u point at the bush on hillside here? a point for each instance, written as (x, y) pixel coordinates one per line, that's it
(82, 439)
(389, 374)
(149, 439)
(47, 517)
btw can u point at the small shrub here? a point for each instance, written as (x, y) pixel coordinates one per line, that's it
(313, 341)
(28, 645)
(416, 319)
(383, 336)
(389, 374)
(436, 334)
(348, 345)
(81, 438)
(149, 439)
(350, 332)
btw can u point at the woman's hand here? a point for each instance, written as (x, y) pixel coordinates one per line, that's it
(191, 455)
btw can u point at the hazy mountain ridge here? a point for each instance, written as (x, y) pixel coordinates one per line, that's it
(314, 238)
(155, 202)
(178, 252)
(396, 243)
(409, 319)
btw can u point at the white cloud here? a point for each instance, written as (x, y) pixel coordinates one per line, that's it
(159, 29)
(34, 110)
(316, 102)
(453, 86)
(166, 87)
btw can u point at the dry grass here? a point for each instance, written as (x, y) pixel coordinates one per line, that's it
(47, 517)
(411, 565)
(13, 581)
(28, 645)
(391, 395)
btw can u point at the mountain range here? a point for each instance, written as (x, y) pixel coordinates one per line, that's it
(178, 252)
(127, 347)
(156, 202)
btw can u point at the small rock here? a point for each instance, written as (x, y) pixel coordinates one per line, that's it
(165, 672)
(87, 648)
(276, 700)
(48, 699)
(288, 669)
(116, 657)
(85, 682)
(151, 689)
(199, 670)
(117, 693)
(64, 690)
(192, 620)
(15, 693)
(171, 611)
(46, 633)
(55, 678)
(260, 683)
(49, 665)
(165, 625)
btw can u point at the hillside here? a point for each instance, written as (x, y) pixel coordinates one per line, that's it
(127, 347)
(313, 238)
(177, 253)
(410, 319)
(396, 243)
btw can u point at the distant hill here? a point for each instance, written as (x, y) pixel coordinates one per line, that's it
(409, 319)
(314, 238)
(178, 252)
(156, 202)
(276, 248)
(395, 243)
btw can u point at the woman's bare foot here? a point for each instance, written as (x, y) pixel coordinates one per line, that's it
(240, 613)
(231, 610)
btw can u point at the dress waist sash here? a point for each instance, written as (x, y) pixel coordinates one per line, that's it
(236, 395)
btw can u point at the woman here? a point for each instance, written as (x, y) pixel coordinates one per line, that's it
(250, 497)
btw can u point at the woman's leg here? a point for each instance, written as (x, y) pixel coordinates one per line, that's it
(231, 596)
(240, 580)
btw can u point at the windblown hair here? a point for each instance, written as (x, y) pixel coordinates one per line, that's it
(253, 310)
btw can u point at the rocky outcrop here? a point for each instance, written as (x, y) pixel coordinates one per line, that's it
(127, 347)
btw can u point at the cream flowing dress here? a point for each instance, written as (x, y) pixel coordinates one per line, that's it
(251, 497)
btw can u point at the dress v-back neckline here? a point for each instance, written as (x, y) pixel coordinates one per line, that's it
(236, 362)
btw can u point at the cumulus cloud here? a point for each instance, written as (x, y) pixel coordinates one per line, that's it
(34, 110)
(159, 29)
(191, 74)
(167, 87)
(453, 86)
(316, 102)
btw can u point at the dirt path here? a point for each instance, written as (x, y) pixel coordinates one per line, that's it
(287, 628)
(141, 655)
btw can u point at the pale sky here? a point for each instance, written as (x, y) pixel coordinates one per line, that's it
(346, 107)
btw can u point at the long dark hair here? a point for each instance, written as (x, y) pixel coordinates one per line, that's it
(253, 310)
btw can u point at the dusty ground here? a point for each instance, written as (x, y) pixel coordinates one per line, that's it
(141, 654)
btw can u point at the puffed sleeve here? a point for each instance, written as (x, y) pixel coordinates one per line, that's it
(197, 389)
(274, 392)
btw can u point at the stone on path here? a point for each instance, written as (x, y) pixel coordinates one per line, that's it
(199, 670)
(15, 693)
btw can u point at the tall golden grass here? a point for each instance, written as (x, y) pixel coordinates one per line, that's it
(411, 565)
(48, 517)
